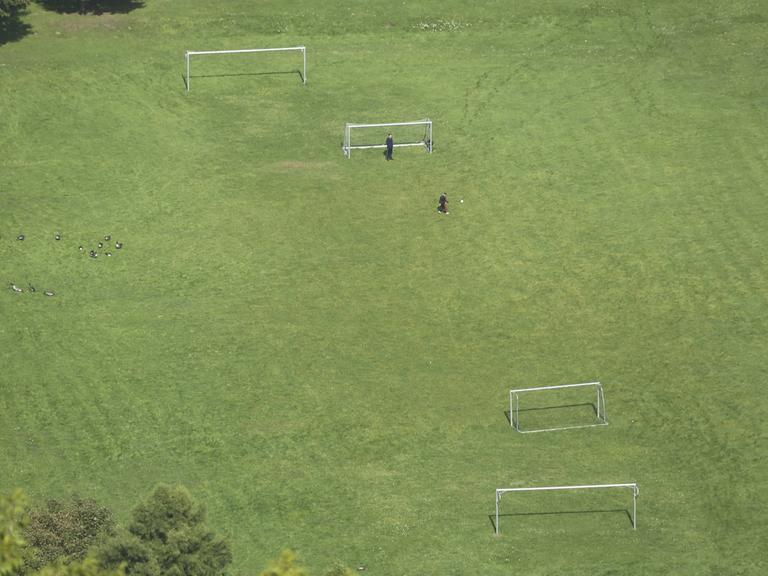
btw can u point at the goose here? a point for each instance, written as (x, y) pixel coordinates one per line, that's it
(49, 293)
(81, 249)
(16, 288)
(107, 238)
(32, 288)
(92, 254)
(101, 244)
(118, 245)
(20, 237)
(57, 236)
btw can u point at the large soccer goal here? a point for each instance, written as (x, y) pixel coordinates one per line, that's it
(362, 136)
(633, 485)
(558, 407)
(190, 53)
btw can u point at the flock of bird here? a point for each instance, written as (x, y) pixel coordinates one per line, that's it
(92, 253)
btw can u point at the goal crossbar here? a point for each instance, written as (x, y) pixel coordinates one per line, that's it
(349, 126)
(302, 49)
(633, 485)
(387, 124)
(514, 406)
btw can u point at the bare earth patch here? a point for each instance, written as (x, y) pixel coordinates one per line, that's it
(76, 22)
(289, 165)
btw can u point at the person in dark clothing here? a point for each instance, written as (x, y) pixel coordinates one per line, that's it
(390, 146)
(442, 205)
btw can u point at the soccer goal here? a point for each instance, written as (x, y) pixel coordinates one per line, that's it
(632, 485)
(558, 406)
(190, 53)
(362, 136)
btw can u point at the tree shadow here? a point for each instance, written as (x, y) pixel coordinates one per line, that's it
(91, 6)
(12, 29)
(623, 511)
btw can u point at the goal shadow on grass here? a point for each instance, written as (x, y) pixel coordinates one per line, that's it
(233, 75)
(566, 513)
(557, 411)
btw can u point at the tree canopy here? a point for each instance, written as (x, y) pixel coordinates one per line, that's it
(64, 530)
(285, 565)
(87, 567)
(167, 536)
(13, 518)
(9, 8)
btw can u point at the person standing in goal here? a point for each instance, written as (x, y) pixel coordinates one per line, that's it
(390, 146)
(442, 203)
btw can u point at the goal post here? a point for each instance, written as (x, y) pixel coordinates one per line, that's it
(417, 133)
(632, 485)
(516, 394)
(189, 53)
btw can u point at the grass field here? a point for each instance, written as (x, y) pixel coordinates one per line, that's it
(323, 359)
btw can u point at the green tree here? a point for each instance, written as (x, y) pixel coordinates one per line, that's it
(167, 536)
(86, 567)
(64, 531)
(9, 8)
(339, 570)
(285, 565)
(127, 550)
(13, 518)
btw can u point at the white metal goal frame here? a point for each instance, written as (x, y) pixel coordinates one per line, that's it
(633, 485)
(514, 406)
(426, 141)
(189, 53)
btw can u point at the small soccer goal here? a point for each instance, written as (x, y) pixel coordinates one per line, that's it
(561, 407)
(405, 134)
(197, 53)
(631, 485)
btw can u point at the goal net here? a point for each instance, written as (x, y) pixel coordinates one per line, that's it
(404, 134)
(189, 55)
(562, 407)
(631, 485)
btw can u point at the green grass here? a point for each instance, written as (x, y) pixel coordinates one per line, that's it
(325, 361)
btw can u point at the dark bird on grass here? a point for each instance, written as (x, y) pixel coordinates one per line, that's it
(57, 236)
(118, 245)
(32, 288)
(107, 238)
(49, 293)
(92, 254)
(16, 288)
(101, 244)
(20, 237)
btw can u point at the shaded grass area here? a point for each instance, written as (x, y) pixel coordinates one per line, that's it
(13, 29)
(322, 358)
(96, 7)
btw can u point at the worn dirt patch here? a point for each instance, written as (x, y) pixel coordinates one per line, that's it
(75, 22)
(290, 165)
